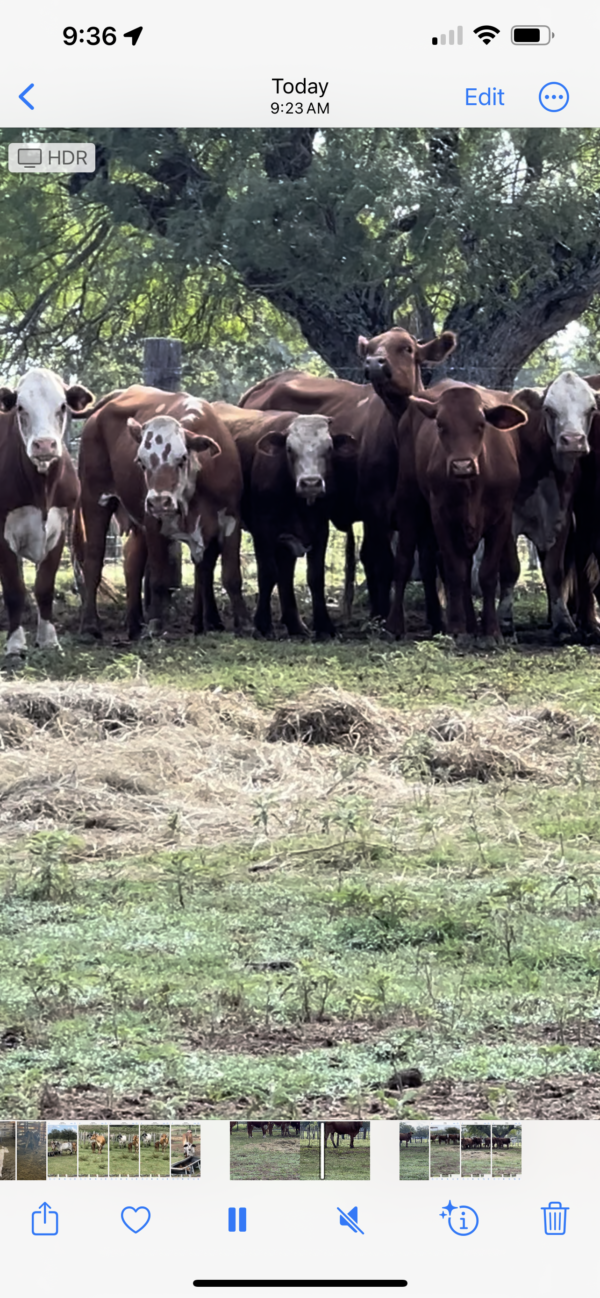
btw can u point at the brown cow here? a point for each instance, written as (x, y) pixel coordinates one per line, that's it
(553, 449)
(291, 467)
(262, 1126)
(501, 1142)
(338, 1129)
(370, 414)
(468, 1142)
(406, 1136)
(39, 492)
(458, 477)
(172, 465)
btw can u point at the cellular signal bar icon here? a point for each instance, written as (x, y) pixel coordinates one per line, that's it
(441, 40)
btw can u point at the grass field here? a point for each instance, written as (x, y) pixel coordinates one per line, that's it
(310, 1153)
(123, 1161)
(263, 1158)
(414, 1157)
(346, 1164)
(507, 1162)
(92, 1163)
(475, 1162)
(444, 1160)
(207, 911)
(154, 1162)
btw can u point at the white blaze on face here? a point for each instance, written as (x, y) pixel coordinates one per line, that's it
(42, 416)
(164, 457)
(569, 406)
(309, 450)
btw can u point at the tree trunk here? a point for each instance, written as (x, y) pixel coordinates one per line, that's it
(494, 342)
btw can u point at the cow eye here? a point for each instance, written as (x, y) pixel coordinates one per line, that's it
(63, 408)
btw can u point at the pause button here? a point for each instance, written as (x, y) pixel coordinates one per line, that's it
(241, 1219)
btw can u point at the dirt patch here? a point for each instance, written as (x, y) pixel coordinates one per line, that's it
(570, 1097)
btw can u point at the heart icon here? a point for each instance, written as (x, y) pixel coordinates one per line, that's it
(130, 1219)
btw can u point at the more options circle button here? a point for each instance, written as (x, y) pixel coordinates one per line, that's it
(554, 96)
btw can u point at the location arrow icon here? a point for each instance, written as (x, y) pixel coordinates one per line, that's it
(134, 34)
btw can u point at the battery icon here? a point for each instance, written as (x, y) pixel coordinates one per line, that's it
(531, 35)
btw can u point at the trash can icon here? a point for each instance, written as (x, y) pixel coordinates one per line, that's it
(555, 1219)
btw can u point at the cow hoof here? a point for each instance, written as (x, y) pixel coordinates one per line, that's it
(269, 634)
(564, 634)
(464, 640)
(298, 632)
(491, 641)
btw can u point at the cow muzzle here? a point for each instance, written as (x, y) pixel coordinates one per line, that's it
(573, 444)
(161, 504)
(43, 451)
(377, 367)
(465, 468)
(310, 487)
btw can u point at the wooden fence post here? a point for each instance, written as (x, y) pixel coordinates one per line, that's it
(162, 369)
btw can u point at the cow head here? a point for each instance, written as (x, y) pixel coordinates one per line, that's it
(568, 406)
(309, 448)
(167, 454)
(42, 405)
(461, 418)
(393, 361)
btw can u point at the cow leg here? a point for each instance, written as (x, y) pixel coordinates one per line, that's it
(46, 637)
(13, 589)
(495, 545)
(378, 562)
(97, 520)
(457, 573)
(509, 572)
(267, 579)
(323, 626)
(405, 554)
(206, 575)
(286, 565)
(159, 573)
(135, 559)
(231, 573)
(429, 572)
(553, 566)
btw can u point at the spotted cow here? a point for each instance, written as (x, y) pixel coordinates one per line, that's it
(171, 465)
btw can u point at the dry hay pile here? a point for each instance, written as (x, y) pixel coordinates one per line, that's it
(131, 767)
(329, 716)
(134, 767)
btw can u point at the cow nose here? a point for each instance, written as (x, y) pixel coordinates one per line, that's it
(44, 447)
(311, 485)
(161, 503)
(574, 443)
(466, 468)
(375, 366)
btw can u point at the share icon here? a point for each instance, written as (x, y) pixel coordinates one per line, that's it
(350, 1219)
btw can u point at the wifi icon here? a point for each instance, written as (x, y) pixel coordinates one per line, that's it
(486, 32)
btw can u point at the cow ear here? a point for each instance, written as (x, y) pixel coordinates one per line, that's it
(505, 416)
(361, 346)
(78, 397)
(427, 408)
(432, 353)
(135, 429)
(199, 442)
(271, 443)
(8, 399)
(529, 398)
(344, 444)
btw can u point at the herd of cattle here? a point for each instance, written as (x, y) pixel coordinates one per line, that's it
(332, 1129)
(432, 473)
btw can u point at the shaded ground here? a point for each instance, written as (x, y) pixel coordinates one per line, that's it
(507, 1162)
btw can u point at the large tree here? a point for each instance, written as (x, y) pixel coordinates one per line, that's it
(494, 233)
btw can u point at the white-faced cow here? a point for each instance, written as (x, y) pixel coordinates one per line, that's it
(552, 446)
(291, 466)
(39, 491)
